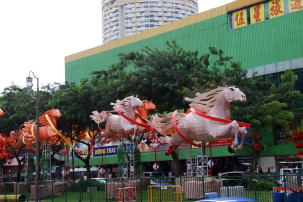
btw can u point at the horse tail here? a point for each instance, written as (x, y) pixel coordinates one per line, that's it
(164, 123)
(100, 117)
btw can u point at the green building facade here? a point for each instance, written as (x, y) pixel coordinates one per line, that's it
(269, 47)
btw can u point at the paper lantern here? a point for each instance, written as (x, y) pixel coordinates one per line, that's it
(298, 145)
(298, 136)
(299, 152)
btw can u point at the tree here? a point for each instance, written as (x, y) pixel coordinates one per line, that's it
(269, 103)
(75, 104)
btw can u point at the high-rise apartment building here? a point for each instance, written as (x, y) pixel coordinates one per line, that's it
(122, 18)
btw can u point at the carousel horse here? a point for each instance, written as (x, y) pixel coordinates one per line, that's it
(142, 116)
(46, 131)
(118, 123)
(1, 112)
(5, 153)
(203, 127)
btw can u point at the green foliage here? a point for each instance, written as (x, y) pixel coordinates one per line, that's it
(264, 185)
(122, 159)
(82, 185)
(45, 167)
(137, 159)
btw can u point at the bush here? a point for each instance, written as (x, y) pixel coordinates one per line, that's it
(82, 185)
(264, 185)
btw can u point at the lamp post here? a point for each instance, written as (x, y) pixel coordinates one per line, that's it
(29, 84)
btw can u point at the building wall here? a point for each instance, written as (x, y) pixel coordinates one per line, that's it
(264, 43)
(122, 18)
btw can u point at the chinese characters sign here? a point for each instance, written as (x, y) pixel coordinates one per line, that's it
(276, 8)
(257, 13)
(240, 18)
(295, 5)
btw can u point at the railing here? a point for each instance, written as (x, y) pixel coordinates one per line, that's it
(259, 187)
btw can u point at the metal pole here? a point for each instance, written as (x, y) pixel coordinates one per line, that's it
(37, 143)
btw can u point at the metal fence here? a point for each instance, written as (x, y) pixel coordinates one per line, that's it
(259, 187)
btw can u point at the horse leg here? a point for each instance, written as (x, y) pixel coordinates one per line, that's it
(243, 132)
(170, 150)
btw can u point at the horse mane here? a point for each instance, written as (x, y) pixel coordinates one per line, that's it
(205, 101)
(122, 103)
(42, 120)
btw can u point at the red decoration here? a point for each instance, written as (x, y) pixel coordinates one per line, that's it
(298, 136)
(78, 166)
(298, 145)
(299, 152)
(105, 166)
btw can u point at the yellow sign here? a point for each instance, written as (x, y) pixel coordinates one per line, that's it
(276, 8)
(240, 18)
(295, 5)
(257, 13)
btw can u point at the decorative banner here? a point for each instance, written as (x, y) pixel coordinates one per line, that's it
(221, 143)
(240, 18)
(257, 13)
(110, 150)
(276, 8)
(295, 5)
(145, 148)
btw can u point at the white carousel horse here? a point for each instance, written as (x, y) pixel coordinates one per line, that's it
(116, 123)
(194, 127)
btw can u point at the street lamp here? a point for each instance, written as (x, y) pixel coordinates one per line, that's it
(29, 84)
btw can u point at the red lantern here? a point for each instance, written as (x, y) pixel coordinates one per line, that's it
(113, 165)
(298, 136)
(260, 138)
(167, 162)
(78, 166)
(299, 152)
(105, 166)
(299, 146)
(256, 145)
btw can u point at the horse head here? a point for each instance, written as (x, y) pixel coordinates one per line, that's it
(1, 112)
(233, 94)
(148, 105)
(55, 113)
(136, 102)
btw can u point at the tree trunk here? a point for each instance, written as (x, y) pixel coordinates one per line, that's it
(176, 161)
(87, 168)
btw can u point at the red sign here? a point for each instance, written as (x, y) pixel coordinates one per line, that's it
(221, 143)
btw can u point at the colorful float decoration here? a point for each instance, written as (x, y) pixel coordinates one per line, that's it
(207, 120)
(198, 126)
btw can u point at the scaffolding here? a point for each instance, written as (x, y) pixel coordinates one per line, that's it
(46, 153)
(25, 167)
(196, 164)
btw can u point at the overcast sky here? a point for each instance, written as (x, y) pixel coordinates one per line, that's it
(37, 34)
